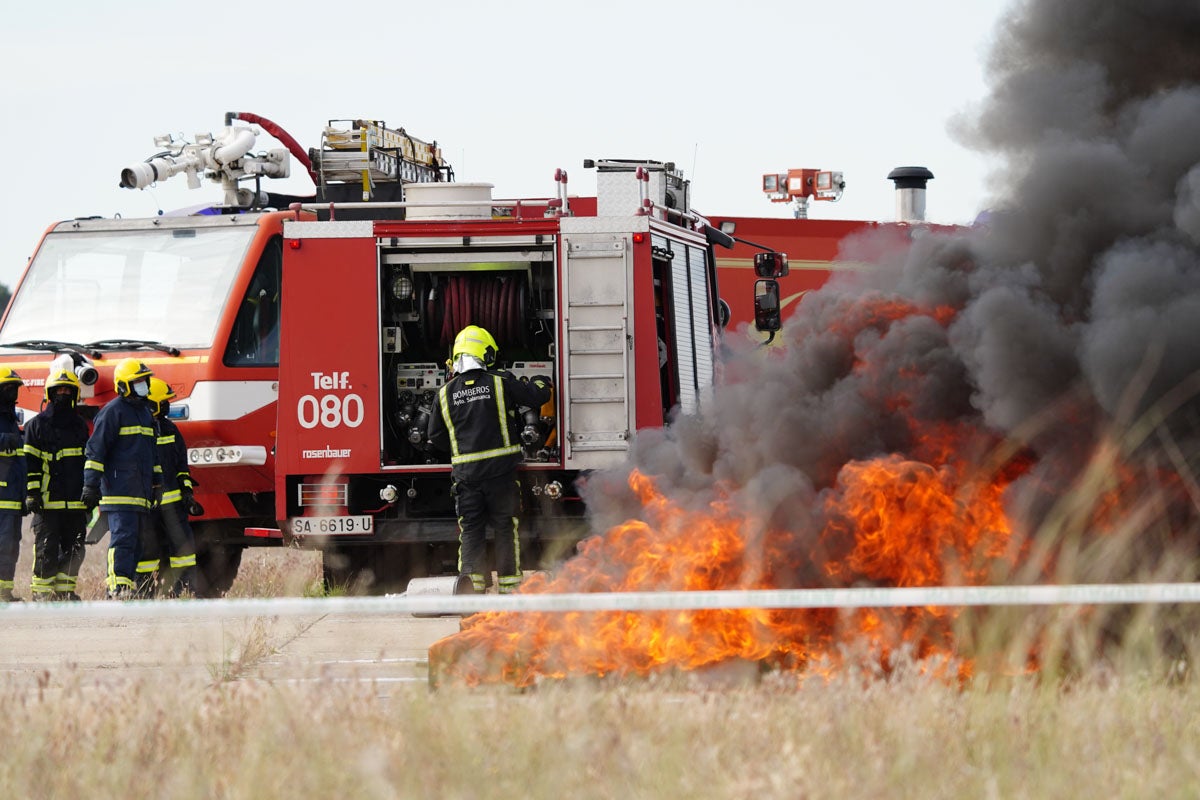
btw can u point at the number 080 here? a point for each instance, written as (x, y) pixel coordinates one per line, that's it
(330, 411)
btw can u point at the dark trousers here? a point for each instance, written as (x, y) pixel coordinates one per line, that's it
(57, 548)
(58, 542)
(124, 543)
(10, 545)
(167, 542)
(494, 502)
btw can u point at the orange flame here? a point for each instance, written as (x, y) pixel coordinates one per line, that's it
(888, 521)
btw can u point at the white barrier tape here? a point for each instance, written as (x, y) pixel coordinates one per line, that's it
(941, 596)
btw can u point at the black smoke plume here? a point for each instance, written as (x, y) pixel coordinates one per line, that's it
(1065, 323)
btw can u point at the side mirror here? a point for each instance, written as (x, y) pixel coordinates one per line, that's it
(766, 306)
(770, 265)
(724, 313)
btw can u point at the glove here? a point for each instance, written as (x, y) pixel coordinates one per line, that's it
(90, 497)
(194, 509)
(156, 495)
(33, 503)
(542, 382)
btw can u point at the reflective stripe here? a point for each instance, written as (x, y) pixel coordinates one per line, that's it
(31, 450)
(483, 455)
(12, 505)
(59, 505)
(135, 430)
(114, 581)
(168, 439)
(173, 496)
(119, 500)
(147, 566)
(445, 404)
(6, 584)
(96, 465)
(67, 452)
(501, 410)
(179, 562)
(64, 583)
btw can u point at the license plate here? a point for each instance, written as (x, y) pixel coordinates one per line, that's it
(333, 526)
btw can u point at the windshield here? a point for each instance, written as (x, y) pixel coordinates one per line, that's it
(164, 285)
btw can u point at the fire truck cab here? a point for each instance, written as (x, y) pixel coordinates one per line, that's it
(614, 297)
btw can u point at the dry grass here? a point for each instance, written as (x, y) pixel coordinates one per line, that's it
(1110, 712)
(905, 737)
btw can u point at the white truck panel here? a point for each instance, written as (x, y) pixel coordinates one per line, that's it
(596, 346)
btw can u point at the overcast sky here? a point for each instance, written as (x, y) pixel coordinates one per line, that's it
(510, 90)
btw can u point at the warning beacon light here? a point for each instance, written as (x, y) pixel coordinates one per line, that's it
(799, 186)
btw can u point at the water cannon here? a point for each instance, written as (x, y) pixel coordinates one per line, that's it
(78, 364)
(225, 159)
(799, 186)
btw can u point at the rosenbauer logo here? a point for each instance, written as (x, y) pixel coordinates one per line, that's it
(326, 452)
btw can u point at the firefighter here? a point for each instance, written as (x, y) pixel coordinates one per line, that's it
(168, 534)
(122, 474)
(54, 443)
(12, 481)
(476, 420)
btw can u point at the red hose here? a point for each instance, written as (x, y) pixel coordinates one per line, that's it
(283, 136)
(493, 302)
(447, 310)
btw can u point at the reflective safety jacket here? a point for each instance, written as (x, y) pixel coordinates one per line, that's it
(12, 463)
(54, 446)
(122, 455)
(172, 458)
(475, 418)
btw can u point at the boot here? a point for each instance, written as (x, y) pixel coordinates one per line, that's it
(184, 586)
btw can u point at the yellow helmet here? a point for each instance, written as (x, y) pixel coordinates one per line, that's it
(9, 375)
(128, 372)
(160, 392)
(62, 377)
(475, 341)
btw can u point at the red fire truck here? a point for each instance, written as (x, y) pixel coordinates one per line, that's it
(197, 294)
